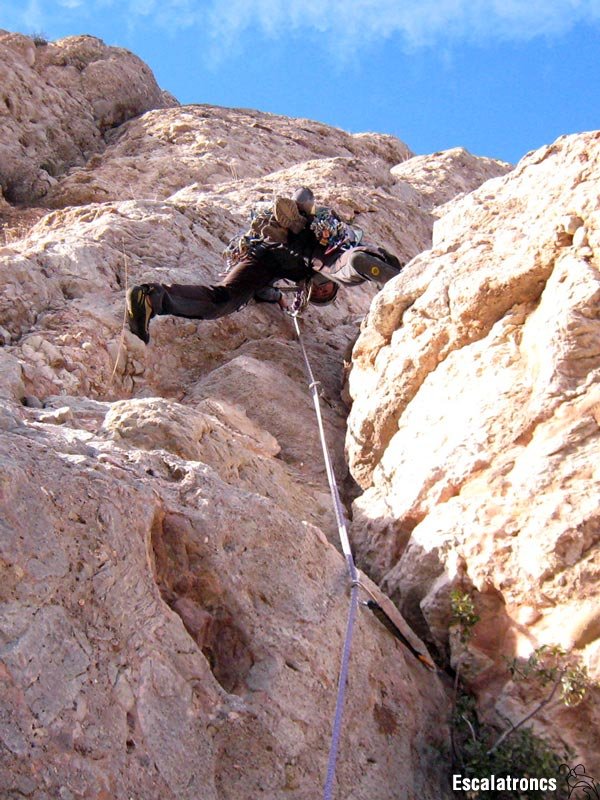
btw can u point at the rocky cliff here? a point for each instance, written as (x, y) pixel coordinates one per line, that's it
(172, 601)
(475, 427)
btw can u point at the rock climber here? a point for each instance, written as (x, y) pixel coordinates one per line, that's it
(292, 239)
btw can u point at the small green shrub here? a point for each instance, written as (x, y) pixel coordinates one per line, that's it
(550, 664)
(463, 613)
(521, 755)
(39, 39)
(480, 750)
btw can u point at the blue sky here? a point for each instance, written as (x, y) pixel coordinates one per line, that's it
(499, 77)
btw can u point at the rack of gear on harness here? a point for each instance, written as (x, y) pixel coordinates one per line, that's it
(382, 607)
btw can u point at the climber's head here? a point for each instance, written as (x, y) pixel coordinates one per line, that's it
(323, 293)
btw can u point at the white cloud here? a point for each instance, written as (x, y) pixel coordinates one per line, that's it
(416, 22)
(343, 23)
(168, 15)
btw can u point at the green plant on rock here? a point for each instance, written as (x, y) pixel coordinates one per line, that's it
(481, 750)
(551, 664)
(464, 616)
(523, 755)
(39, 39)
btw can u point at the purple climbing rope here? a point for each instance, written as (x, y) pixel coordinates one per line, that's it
(352, 572)
(341, 695)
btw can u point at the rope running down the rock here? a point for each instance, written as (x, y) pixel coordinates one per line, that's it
(354, 580)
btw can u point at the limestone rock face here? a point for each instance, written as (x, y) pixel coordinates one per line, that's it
(172, 597)
(444, 176)
(475, 428)
(154, 156)
(58, 100)
(168, 633)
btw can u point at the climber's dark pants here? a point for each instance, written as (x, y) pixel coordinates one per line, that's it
(253, 279)
(247, 280)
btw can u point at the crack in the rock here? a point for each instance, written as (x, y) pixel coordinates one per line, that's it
(201, 606)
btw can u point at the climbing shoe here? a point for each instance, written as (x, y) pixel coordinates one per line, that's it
(139, 311)
(375, 269)
(288, 215)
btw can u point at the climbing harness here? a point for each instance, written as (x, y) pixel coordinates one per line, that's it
(383, 615)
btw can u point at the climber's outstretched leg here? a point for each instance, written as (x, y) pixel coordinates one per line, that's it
(196, 301)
